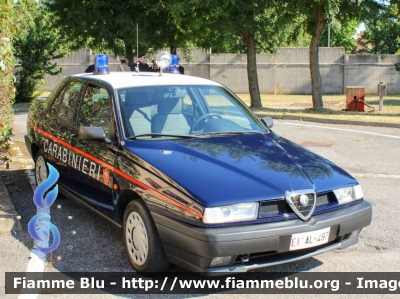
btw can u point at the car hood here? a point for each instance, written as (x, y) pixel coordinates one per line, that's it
(241, 168)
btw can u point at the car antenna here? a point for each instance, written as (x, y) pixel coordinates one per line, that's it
(137, 48)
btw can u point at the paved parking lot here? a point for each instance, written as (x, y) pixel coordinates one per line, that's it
(88, 243)
(372, 155)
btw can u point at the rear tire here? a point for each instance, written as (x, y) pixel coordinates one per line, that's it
(141, 240)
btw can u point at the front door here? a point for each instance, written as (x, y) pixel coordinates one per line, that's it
(91, 167)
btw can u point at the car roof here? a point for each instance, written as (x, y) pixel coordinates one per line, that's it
(132, 79)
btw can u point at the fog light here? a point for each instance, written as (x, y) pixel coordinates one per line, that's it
(220, 261)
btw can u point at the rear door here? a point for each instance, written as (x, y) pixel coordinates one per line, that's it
(59, 127)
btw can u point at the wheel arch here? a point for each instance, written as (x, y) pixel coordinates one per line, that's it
(34, 150)
(125, 198)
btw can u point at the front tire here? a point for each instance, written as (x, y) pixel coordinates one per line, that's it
(41, 169)
(141, 240)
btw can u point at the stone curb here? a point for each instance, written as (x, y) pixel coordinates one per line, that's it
(8, 216)
(330, 121)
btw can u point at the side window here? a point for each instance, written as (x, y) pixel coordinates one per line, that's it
(57, 96)
(56, 103)
(69, 99)
(96, 108)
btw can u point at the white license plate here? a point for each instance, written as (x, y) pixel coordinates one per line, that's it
(310, 239)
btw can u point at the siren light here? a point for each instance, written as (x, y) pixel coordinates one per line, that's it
(174, 67)
(101, 65)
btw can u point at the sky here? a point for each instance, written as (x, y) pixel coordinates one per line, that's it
(361, 27)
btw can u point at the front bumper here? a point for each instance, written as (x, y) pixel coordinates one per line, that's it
(263, 245)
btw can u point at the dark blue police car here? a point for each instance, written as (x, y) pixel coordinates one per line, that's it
(190, 174)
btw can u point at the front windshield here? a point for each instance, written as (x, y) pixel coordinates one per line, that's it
(172, 111)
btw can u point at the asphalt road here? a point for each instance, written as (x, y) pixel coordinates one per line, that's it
(90, 244)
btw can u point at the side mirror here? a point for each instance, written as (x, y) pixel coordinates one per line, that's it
(268, 122)
(93, 133)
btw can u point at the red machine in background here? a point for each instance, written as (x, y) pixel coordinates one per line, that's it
(355, 99)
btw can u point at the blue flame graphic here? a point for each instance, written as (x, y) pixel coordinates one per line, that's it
(38, 199)
(45, 203)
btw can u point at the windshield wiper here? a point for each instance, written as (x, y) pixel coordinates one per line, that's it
(227, 133)
(160, 135)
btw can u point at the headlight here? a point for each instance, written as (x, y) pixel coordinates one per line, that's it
(345, 195)
(233, 213)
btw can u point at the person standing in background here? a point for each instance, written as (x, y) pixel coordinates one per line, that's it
(90, 69)
(127, 62)
(124, 67)
(154, 67)
(143, 66)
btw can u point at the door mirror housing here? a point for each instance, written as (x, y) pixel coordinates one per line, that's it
(268, 122)
(93, 133)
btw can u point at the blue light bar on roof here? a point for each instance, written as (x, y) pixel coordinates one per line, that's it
(174, 67)
(101, 65)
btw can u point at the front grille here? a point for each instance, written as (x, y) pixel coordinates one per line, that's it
(279, 207)
(324, 199)
(308, 206)
(276, 206)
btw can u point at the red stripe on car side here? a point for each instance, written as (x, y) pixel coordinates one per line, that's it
(116, 170)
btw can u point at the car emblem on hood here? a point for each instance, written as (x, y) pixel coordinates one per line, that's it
(164, 152)
(302, 202)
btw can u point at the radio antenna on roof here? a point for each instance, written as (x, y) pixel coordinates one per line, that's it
(137, 47)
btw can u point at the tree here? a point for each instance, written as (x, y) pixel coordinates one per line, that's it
(100, 25)
(382, 30)
(341, 35)
(316, 80)
(111, 25)
(251, 25)
(245, 25)
(7, 91)
(36, 44)
(317, 14)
